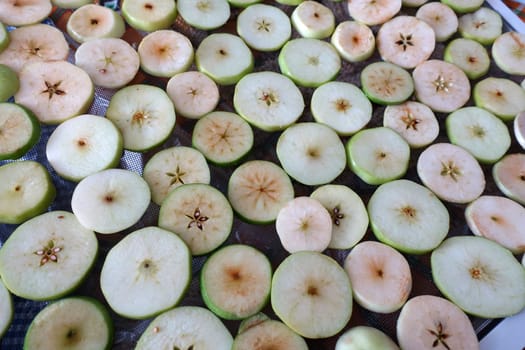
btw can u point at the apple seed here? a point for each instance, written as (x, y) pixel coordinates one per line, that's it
(410, 121)
(48, 253)
(405, 41)
(52, 89)
(197, 219)
(441, 84)
(450, 169)
(440, 335)
(336, 215)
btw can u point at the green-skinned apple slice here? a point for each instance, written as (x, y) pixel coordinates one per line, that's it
(405, 41)
(70, 4)
(312, 19)
(342, 106)
(408, 216)
(243, 3)
(9, 83)
(499, 219)
(200, 214)
(480, 132)
(509, 176)
(289, 2)
(6, 305)
(463, 6)
(147, 15)
(348, 213)
(186, 328)
(354, 41)
(413, 3)
(441, 18)
(441, 85)
(258, 189)
(414, 121)
(204, 14)
(451, 172)
(264, 27)
(235, 282)
(501, 96)
(55, 90)
(19, 130)
(470, 271)
(269, 101)
(386, 83)
(22, 13)
(144, 114)
(224, 57)
(311, 294)
(4, 37)
(469, 55)
(93, 21)
(311, 153)
(224, 138)
(309, 62)
(111, 200)
(259, 331)
(380, 276)
(47, 256)
(84, 145)
(484, 25)
(364, 337)
(26, 190)
(508, 51)
(150, 281)
(431, 322)
(173, 167)
(373, 12)
(34, 43)
(378, 155)
(72, 323)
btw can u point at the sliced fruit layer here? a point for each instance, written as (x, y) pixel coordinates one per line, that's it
(462, 6)
(147, 15)
(21, 13)
(508, 52)
(364, 337)
(469, 55)
(386, 83)
(441, 18)
(6, 305)
(19, 130)
(375, 12)
(95, 21)
(204, 14)
(484, 25)
(509, 176)
(354, 41)
(501, 96)
(314, 20)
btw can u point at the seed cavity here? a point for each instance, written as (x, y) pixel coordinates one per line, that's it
(263, 25)
(440, 335)
(336, 215)
(48, 253)
(450, 169)
(441, 84)
(342, 105)
(405, 41)
(312, 291)
(269, 98)
(197, 219)
(53, 89)
(177, 176)
(410, 121)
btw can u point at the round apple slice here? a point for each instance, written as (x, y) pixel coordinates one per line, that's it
(55, 90)
(72, 323)
(26, 190)
(258, 189)
(269, 101)
(354, 41)
(441, 18)
(173, 167)
(4, 37)
(186, 327)
(148, 15)
(428, 322)
(200, 214)
(144, 114)
(484, 25)
(508, 51)
(47, 256)
(309, 62)
(314, 20)
(364, 337)
(470, 271)
(509, 176)
(462, 6)
(406, 41)
(451, 172)
(311, 153)
(150, 281)
(93, 21)
(386, 83)
(111, 200)
(519, 128)
(469, 55)
(9, 83)
(378, 155)
(373, 12)
(6, 305)
(21, 13)
(441, 85)
(312, 294)
(19, 130)
(84, 145)
(204, 14)
(235, 282)
(501, 96)
(408, 216)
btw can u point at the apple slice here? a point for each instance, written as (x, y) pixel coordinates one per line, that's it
(312, 19)
(185, 328)
(148, 15)
(70, 4)
(224, 57)
(469, 55)
(354, 41)
(312, 294)
(484, 25)
(204, 14)
(235, 282)
(386, 83)
(311, 153)
(378, 155)
(144, 114)
(413, 3)
(6, 305)
(428, 322)
(408, 216)
(9, 83)
(55, 90)
(200, 214)
(22, 13)
(441, 18)
(47, 256)
(73, 323)
(111, 200)
(19, 130)
(470, 271)
(153, 280)
(4, 37)
(243, 3)
(26, 190)
(373, 12)
(173, 167)
(364, 337)
(93, 21)
(509, 176)
(258, 189)
(84, 145)
(463, 6)
(508, 51)
(501, 96)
